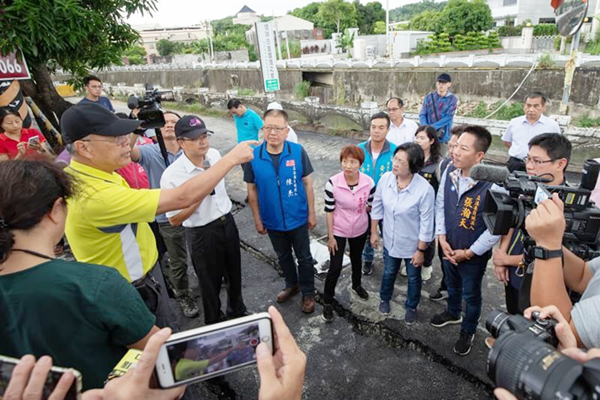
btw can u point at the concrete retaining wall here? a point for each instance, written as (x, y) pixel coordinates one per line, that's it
(379, 84)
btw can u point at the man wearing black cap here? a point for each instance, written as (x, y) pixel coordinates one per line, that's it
(439, 108)
(211, 232)
(107, 223)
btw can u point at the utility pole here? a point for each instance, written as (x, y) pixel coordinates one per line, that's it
(387, 28)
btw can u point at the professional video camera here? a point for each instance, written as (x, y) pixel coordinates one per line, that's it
(524, 360)
(504, 211)
(150, 112)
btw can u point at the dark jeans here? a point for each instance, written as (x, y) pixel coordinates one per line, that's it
(153, 290)
(160, 243)
(215, 253)
(176, 268)
(335, 264)
(441, 257)
(512, 299)
(515, 164)
(390, 272)
(464, 282)
(283, 243)
(368, 253)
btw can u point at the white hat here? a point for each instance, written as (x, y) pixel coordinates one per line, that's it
(274, 106)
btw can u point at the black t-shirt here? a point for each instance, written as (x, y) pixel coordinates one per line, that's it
(306, 166)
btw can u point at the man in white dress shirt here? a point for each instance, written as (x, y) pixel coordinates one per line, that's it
(524, 128)
(211, 232)
(402, 130)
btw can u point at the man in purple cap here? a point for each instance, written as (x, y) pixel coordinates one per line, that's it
(439, 108)
(108, 222)
(210, 229)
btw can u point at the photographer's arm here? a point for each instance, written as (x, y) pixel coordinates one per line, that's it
(576, 272)
(546, 226)
(135, 151)
(197, 188)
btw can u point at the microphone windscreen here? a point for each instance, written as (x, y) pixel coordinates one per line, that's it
(489, 173)
(132, 102)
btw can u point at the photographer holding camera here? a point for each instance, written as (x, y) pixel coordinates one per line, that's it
(559, 266)
(548, 157)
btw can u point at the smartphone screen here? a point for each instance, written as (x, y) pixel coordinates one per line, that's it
(33, 141)
(7, 364)
(217, 352)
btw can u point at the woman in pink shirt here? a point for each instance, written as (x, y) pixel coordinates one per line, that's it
(348, 197)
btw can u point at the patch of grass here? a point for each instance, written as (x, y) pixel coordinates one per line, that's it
(586, 122)
(195, 108)
(545, 61)
(302, 90)
(506, 113)
(246, 92)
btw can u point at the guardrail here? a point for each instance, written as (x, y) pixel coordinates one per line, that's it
(471, 61)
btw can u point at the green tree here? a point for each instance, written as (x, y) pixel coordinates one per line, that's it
(75, 35)
(309, 12)
(346, 42)
(463, 16)
(136, 54)
(379, 28)
(368, 15)
(339, 13)
(405, 13)
(427, 21)
(166, 47)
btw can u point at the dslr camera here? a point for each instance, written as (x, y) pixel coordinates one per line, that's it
(505, 211)
(150, 112)
(524, 360)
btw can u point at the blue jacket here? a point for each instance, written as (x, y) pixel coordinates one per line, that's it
(464, 216)
(384, 161)
(281, 197)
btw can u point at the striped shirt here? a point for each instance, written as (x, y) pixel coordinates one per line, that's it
(330, 200)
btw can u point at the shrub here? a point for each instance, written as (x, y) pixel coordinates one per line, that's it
(302, 90)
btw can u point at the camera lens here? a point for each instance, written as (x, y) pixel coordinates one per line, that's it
(496, 323)
(530, 368)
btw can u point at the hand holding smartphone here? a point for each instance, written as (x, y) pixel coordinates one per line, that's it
(33, 142)
(213, 350)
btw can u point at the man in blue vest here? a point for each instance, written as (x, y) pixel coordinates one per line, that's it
(463, 236)
(378, 160)
(280, 193)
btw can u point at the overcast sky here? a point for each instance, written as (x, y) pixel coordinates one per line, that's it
(188, 12)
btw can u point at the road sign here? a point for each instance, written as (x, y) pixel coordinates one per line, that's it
(268, 61)
(13, 66)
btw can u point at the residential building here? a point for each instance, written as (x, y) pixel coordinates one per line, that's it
(537, 11)
(246, 16)
(182, 34)
(295, 28)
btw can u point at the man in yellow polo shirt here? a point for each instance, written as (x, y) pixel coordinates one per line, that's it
(107, 221)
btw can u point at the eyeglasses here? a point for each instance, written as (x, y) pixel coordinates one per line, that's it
(202, 138)
(117, 140)
(535, 162)
(400, 162)
(277, 129)
(95, 87)
(393, 109)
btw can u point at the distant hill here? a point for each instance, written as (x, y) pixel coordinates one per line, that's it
(408, 11)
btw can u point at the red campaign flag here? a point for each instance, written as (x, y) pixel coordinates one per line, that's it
(556, 3)
(290, 163)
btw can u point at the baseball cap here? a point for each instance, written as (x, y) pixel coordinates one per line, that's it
(274, 106)
(444, 78)
(191, 127)
(86, 118)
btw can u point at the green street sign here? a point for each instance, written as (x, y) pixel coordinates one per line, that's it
(272, 85)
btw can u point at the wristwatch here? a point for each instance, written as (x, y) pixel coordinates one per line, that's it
(421, 250)
(543, 253)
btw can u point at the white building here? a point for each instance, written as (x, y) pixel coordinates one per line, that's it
(538, 11)
(295, 28)
(183, 34)
(246, 16)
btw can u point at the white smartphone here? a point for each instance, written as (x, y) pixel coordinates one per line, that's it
(33, 141)
(213, 350)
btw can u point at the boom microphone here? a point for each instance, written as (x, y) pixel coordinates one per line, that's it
(133, 102)
(489, 173)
